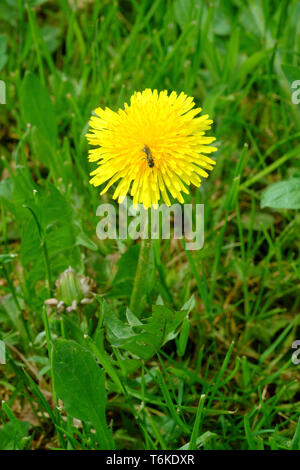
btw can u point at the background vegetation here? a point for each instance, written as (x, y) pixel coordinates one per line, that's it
(230, 311)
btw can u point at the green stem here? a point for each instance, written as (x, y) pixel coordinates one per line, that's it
(42, 237)
(138, 294)
(34, 32)
(49, 347)
(47, 265)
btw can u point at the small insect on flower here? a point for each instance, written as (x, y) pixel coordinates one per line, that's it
(154, 147)
(149, 156)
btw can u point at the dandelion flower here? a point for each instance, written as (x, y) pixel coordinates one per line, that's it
(153, 148)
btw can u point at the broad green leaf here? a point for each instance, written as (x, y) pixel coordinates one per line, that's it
(261, 221)
(8, 11)
(59, 228)
(80, 383)
(132, 319)
(43, 148)
(37, 108)
(3, 55)
(51, 37)
(189, 304)
(6, 188)
(144, 339)
(182, 11)
(73, 331)
(282, 195)
(12, 435)
(291, 72)
(221, 25)
(83, 239)
(8, 304)
(252, 20)
(123, 280)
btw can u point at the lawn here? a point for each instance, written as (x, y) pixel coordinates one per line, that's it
(184, 348)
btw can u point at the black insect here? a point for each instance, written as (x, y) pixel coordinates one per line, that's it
(148, 156)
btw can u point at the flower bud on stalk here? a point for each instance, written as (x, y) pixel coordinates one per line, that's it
(72, 289)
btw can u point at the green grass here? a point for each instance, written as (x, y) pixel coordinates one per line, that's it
(227, 380)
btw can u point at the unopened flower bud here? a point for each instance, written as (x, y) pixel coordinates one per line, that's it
(69, 287)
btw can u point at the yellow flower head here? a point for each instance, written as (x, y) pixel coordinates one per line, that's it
(153, 146)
